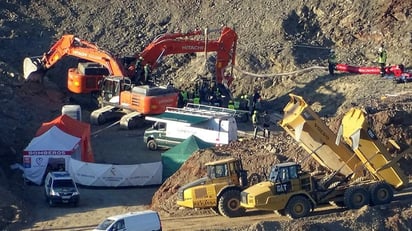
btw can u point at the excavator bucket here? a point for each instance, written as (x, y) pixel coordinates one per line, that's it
(33, 68)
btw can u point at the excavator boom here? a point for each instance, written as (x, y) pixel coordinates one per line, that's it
(166, 44)
(169, 44)
(70, 45)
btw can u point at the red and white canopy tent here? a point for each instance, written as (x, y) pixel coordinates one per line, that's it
(59, 139)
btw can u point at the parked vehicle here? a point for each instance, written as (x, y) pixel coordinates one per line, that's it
(59, 187)
(219, 190)
(147, 220)
(177, 124)
(293, 192)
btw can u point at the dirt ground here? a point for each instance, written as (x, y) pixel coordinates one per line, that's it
(274, 37)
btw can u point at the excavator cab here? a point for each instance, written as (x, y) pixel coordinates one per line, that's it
(112, 86)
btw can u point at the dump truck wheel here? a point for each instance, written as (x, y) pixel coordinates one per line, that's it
(380, 193)
(229, 204)
(356, 197)
(152, 145)
(297, 207)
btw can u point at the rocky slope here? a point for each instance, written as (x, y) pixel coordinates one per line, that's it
(274, 37)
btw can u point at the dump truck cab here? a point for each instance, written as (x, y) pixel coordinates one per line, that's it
(287, 191)
(219, 190)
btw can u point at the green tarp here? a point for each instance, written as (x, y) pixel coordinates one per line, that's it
(176, 156)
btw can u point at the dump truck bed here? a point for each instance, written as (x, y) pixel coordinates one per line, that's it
(307, 128)
(356, 132)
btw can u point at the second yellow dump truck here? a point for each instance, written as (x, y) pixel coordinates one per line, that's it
(219, 190)
(293, 192)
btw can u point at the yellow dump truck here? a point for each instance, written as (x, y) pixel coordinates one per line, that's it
(219, 190)
(293, 192)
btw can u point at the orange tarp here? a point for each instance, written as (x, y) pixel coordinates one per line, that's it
(75, 128)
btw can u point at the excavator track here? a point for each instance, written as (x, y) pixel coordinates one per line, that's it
(105, 114)
(132, 120)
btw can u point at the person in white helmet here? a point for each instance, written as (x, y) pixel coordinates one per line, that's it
(331, 62)
(382, 59)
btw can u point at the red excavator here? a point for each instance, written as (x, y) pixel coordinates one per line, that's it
(119, 94)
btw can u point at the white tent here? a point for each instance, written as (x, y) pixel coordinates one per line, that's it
(53, 144)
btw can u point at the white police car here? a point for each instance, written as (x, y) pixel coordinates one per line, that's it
(59, 187)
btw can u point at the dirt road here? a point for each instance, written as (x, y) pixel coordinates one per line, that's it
(97, 204)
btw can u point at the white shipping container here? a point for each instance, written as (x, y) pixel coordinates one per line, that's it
(74, 111)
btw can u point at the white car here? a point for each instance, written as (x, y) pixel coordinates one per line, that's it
(147, 220)
(59, 187)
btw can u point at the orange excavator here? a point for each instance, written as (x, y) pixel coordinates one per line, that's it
(84, 78)
(120, 96)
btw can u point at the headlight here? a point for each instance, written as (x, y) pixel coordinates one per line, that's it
(75, 193)
(54, 193)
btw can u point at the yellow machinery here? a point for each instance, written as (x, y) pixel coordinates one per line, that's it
(311, 133)
(219, 190)
(375, 156)
(293, 192)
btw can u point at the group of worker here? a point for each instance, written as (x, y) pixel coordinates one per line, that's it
(142, 73)
(382, 56)
(201, 94)
(260, 118)
(211, 95)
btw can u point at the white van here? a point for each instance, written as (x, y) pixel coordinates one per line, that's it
(147, 220)
(177, 124)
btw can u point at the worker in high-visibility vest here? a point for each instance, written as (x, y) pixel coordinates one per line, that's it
(183, 93)
(147, 73)
(196, 99)
(248, 105)
(231, 105)
(236, 104)
(331, 61)
(382, 55)
(255, 122)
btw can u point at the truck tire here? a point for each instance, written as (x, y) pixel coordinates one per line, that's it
(297, 207)
(152, 145)
(229, 204)
(380, 193)
(355, 197)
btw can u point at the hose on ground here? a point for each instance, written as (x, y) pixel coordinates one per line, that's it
(280, 74)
